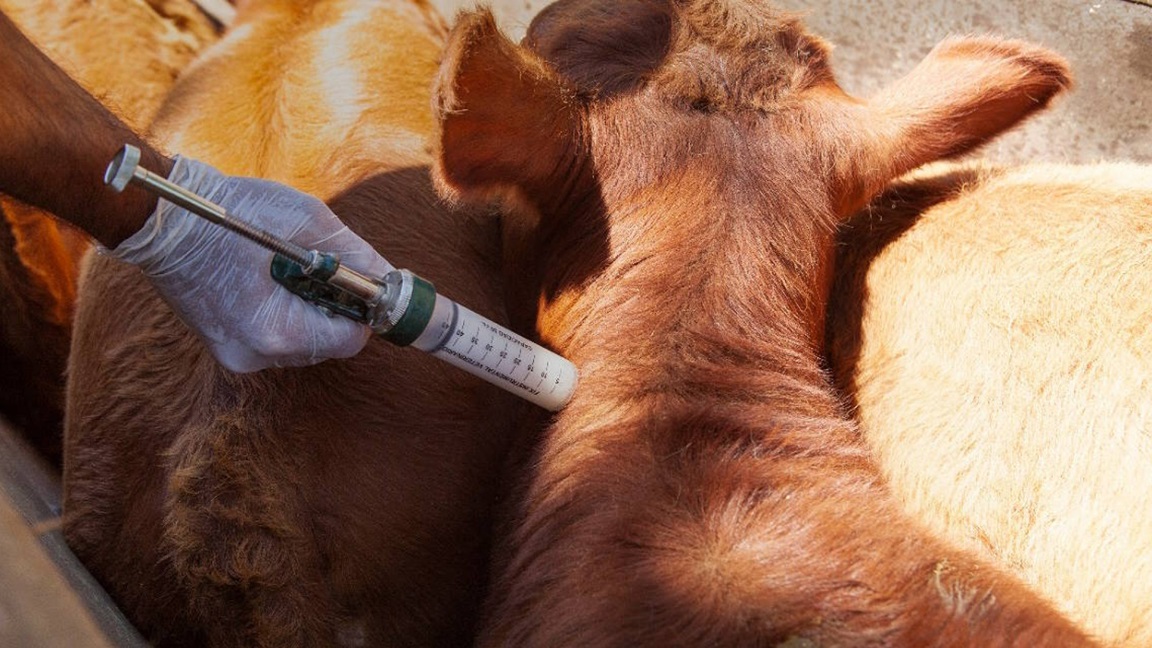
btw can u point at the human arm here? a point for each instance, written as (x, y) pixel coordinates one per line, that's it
(56, 139)
(55, 142)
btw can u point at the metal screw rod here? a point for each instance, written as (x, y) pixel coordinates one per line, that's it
(125, 168)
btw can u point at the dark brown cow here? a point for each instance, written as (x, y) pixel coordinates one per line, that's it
(341, 504)
(680, 169)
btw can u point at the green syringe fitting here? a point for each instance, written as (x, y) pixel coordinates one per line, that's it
(392, 319)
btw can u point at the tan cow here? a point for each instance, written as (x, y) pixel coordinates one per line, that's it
(680, 168)
(342, 504)
(994, 329)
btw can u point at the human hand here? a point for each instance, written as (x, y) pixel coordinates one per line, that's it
(218, 282)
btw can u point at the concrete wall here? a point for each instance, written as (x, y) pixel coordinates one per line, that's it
(1108, 116)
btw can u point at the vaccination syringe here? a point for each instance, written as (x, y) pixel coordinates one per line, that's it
(400, 306)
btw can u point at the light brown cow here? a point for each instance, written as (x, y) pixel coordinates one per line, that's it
(993, 328)
(342, 504)
(128, 53)
(680, 168)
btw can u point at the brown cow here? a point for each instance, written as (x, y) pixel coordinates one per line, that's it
(128, 53)
(993, 328)
(680, 168)
(342, 504)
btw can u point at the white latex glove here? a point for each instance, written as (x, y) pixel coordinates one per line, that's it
(219, 284)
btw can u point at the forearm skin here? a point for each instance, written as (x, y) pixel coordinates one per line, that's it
(56, 140)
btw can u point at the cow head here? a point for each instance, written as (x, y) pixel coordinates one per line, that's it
(707, 135)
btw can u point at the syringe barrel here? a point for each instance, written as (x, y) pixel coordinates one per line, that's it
(491, 352)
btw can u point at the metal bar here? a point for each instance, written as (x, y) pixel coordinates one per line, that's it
(31, 490)
(180, 196)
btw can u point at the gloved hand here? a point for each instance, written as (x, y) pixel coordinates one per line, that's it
(218, 282)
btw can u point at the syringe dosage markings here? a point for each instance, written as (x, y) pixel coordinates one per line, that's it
(504, 358)
(518, 360)
(543, 376)
(557, 378)
(484, 340)
(503, 355)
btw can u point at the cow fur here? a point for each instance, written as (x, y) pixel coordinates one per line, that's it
(992, 328)
(342, 504)
(678, 170)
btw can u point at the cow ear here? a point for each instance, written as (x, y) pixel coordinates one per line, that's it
(507, 121)
(964, 93)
